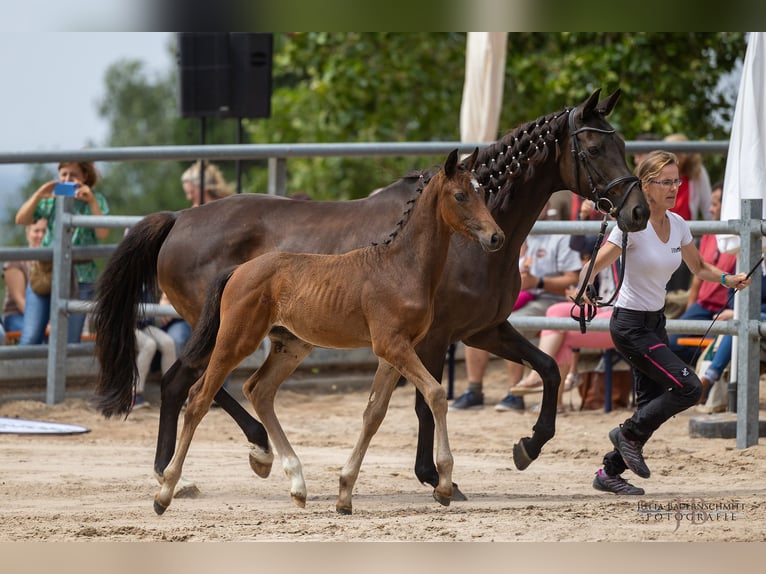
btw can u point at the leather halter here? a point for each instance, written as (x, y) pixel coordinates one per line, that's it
(603, 205)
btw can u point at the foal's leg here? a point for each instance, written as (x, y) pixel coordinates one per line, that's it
(261, 388)
(230, 349)
(432, 353)
(380, 394)
(408, 364)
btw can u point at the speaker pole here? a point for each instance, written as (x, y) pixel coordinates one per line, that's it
(237, 163)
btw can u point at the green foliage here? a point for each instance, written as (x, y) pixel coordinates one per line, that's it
(383, 87)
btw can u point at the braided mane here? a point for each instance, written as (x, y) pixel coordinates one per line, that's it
(513, 158)
(424, 176)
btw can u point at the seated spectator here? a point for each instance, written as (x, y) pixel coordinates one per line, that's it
(149, 340)
(705, 299)
(16, 276)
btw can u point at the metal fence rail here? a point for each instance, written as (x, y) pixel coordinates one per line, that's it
(750, 228)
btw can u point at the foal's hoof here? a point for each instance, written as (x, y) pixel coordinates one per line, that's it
(299, 500)
(520, 457)
(344, 510)
(457, 494)
(159, 508)
(261, 460)
(441, 499)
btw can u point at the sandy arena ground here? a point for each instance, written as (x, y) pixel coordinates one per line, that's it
(99, 486)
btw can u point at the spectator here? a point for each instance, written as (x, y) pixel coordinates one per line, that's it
(549, 267)
(16, 276)
(215, 184)
(150, 340)
(716, 401)
(705, 299)
(41, 205)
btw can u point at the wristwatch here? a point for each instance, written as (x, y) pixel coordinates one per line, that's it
(540, 283)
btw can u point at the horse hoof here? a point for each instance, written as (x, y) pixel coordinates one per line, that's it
(441, 499)
(520, 457)
(186, 489)
(261, 461)
(457, 494)
(159, 508)
(344, 510)
(299, 500)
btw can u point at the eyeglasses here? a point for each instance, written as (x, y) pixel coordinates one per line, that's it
(669, 182)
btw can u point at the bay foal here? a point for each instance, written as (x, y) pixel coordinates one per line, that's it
(380, 296)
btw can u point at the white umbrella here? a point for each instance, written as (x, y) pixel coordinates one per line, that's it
(745, 176)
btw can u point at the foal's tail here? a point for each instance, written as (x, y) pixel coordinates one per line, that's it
(200, 345)
(118, 295)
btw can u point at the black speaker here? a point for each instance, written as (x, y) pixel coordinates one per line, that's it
(251, 57)
(224, 74)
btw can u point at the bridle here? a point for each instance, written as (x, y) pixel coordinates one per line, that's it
(603, 205)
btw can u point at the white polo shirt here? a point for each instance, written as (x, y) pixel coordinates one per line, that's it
(649, 264)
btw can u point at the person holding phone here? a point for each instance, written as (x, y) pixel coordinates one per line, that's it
(41, 205)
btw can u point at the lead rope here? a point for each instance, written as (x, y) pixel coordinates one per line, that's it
(588, 311)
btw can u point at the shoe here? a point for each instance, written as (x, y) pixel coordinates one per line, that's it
(140, 403)
(510, 403)
(520, 390)
(710, 409)
(572, 381)
(630, 450)
(468, 400)
(615, 484)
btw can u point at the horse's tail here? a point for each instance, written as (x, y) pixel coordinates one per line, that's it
(200, 345)
(118, 295)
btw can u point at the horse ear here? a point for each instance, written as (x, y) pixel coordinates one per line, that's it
(590, 104)
(605, 107)
(450, 166)
(470, 161)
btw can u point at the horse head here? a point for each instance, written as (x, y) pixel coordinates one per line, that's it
(462, 203)
(597, 169)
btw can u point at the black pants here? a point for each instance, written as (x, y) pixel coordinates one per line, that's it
(665, 385)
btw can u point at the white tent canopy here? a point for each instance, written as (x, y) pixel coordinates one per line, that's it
(745, 176)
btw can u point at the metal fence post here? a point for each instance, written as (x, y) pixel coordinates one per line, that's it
(748, 314)
(60, 293)
(277, 176)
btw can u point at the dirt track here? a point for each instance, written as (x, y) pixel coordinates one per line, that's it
(99, 486)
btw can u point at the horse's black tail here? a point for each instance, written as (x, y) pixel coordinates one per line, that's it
(118, 295)
(200, 345)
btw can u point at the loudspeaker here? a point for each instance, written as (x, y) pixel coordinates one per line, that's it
(224, 74)
(251, 57)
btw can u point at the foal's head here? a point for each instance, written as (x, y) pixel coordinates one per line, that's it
(462, 204)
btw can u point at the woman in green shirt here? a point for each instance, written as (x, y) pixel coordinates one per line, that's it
(42, 205)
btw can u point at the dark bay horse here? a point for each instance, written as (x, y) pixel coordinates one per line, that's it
(575, 149)
(380, 296)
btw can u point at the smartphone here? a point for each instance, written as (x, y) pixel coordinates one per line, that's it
(65, 188)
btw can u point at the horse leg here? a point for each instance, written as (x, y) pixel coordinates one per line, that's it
(200, 398)
(380, 394)
(409, 364)
(506, 342)
(285, 354)
(174, 389)
(432, 354)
